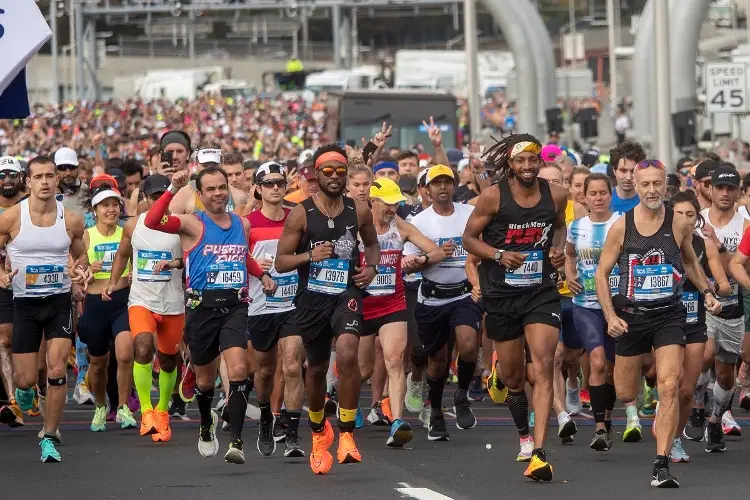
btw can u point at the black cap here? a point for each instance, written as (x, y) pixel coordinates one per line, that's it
(673, 180)
(726, 176)
(407, 183)
(705, 168)
(155, 183)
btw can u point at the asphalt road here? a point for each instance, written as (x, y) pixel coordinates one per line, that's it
(120, 464)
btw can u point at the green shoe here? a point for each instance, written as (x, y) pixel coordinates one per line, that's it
(650, 398)
(49, 452)
(125, 417)
(633, 431)
(25, 398)
(99, 422)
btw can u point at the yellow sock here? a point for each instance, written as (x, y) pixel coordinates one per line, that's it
(316, 417)
(347, 415)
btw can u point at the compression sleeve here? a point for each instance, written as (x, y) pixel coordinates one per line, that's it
(744, 246)
(156, 218)
(253, 269)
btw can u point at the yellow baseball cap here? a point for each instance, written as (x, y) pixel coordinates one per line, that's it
(387, 191)
(438, 171)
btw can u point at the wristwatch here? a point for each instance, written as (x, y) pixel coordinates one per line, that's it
(708, 291)
(722, 248)
(374, 268)
(498, 254)
(264, 273)
(426, 258)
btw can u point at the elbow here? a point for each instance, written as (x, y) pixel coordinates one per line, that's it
(280, 264)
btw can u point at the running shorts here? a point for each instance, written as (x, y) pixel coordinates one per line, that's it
(6, 306)
(167, 327)
(728, 335)
(209, 331)
(436, 323)
(34, 317)
(263, 330)
(651, 330)
(569, 334)
(592, 330)
(508, 316)
(372, 326)
(102, 321)
(411, 320)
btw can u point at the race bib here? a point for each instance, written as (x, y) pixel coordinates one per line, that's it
(385, 282)
(589, 283)
(146, 261)
(731, 300)
(530, 272)
(653, 282)
(690, 301)
(614, 281)
(458, 259)
(105, 253)
(286, 289)
(330, 276)
(226, 276)
(40, 279)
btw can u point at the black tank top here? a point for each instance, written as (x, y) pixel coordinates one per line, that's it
(519, 229)
(650, 266)
(333, 276)
(691, 298)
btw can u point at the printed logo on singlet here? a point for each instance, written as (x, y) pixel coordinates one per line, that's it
(331, 276)
(651, 277)
(529, 232)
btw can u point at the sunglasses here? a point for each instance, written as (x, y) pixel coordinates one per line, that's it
(329, 171)
(684, 172)
(12, 175)
(270, 184)
(650, 163)
(63, 168)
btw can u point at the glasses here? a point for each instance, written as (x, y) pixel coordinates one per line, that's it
(271, 184)
(650, 163)
(329, 171)
(12, 175)
(63, 168)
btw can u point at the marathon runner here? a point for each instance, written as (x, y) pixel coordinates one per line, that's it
(385, 312)
(320, 241)
(653, 250)
(102, 321)
(156, 307)
(521, 222)
(215, 243)
(623, 159)
(42, 235)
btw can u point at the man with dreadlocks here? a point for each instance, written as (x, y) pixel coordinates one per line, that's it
(518, 230)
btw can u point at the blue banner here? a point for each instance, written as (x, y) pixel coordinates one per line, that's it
(14, 102)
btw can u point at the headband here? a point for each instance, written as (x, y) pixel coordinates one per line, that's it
(330, 156)
(384, 164)
(175, 137)
(525, 146)
(209, 156)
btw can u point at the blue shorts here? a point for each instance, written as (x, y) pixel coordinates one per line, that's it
(592, 330)
(568, 332)
(435, 324)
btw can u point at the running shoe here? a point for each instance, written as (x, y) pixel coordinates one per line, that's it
(359, 419)
(266, 442)
(585, 399)
(729, 425)
(234, 454)
(465, 418)
(377, 416)
(56, 438)
(208, 443)
(49, 452)
(650, 397)
(224, 417)
(163, 430)
(321, 459)
(187, 387)
(133, 402)
(745, 400)
(112, 416)
(539, 469)
(661, 477)
(437, 430)
(424, 415)
(331, 406)
(125, 418)
(693, 430)
(678, 453)
(527, 449)
(279, 429)
(82, 395)
(401, 433)
(633, 431)
(99, 422)
(602, 440)
(413, 399)
(573, 401)
(347, 452)
(495, 387)
(177, 406)
(11, 415)
(714, 438)
(148, 426)
(37, 407)
(566, 428)
(292, 447)
(385, 405)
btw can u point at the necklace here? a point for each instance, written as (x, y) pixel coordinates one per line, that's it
(331, 224)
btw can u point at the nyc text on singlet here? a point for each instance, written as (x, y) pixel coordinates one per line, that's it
(732, 307)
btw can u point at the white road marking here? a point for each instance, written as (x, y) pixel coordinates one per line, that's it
(422, 494)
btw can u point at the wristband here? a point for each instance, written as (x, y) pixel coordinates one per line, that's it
(309, 256)
(484, 175)
(264, 273)
(708, 291)
(374, 268)
(722, 248)
(426, 258)
(172, 189)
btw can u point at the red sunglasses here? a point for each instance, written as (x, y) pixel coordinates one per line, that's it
(650, 163)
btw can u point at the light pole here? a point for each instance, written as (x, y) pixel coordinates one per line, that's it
(661, 82)
(470, 48)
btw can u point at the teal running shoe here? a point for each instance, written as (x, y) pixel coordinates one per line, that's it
(25, 398)
(125, 418)
(359, 420)
(99, 422)
(401, 433)
(49, 452)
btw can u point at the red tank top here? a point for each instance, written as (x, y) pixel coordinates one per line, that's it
(387, 289)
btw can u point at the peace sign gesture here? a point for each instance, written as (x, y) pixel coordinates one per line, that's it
(475, 156)
(433, 132)
(382, 137)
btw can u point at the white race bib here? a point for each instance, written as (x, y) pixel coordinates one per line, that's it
(653, 282)
(40, 279)
(146, 261)
(330, 276)
(530, 272)
(286, 289)
(690, 301)
(226, 276)
(105, 253)
(458, 259)
(385, 281)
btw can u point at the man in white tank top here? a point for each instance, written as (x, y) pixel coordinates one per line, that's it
(156, 306)
(40, 235)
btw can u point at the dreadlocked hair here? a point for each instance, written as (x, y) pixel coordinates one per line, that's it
(499, 153)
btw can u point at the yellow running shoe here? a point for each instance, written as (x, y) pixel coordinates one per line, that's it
(539, 469)
(495, 387)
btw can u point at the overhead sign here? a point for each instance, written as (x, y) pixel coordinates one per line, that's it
(726, 88)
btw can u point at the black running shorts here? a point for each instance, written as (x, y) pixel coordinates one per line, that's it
(6, 306)
(34, 317)
(436, 323)
(373, 326)
(651, 330)
(507, 316)
(263, 329)
(208, 332)
(103, 321)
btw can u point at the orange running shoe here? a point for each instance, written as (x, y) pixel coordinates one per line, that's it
(147, 422)
(385, 405)
(348, 452)
(161, 423)
(321, 459)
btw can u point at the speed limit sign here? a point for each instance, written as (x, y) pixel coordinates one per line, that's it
(726, 88)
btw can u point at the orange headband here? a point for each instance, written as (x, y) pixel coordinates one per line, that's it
(330, 156)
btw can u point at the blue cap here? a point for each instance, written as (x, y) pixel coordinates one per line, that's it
(454, 156)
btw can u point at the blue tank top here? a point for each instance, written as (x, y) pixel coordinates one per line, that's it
(217, 261)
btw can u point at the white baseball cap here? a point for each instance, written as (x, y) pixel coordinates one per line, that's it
(66, 156)
(209, 156)
(103, 195)
(9, 163)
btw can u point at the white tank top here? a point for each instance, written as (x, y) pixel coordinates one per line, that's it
(159, 293)
(283, 299)
(440, 229)
(730, 235)
(40, 254)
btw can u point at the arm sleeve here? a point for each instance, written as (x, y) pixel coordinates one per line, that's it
(156, 218)
(253, 268)
(744, 246)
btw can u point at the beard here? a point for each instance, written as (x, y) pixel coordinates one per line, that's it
(332, 193)
(9, 192)
(653, 205)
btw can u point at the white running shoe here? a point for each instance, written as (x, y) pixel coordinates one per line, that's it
(573, 403)
(208, 443)
(729, 425)
(82, 395)
(527, 449)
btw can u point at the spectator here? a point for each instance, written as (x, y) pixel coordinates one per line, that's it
(133, 175)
